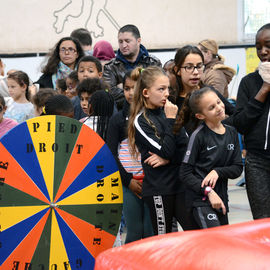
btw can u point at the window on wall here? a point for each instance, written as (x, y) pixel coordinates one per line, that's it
(256, 14)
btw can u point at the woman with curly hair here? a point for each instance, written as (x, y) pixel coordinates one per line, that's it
(62, 60)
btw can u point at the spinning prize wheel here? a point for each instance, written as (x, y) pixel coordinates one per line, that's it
(60, 196)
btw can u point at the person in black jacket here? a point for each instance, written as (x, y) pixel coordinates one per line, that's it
(252, 119)
(131, 54)
(212, 156)
(136, 212)
(150, 133)
(62, 60)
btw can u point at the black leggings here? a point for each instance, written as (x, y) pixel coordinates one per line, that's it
(164, 208)
(257, 174)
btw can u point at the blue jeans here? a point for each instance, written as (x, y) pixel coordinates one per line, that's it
(137, 217)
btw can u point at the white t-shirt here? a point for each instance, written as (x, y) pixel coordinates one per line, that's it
(19, 111)
(89, 121)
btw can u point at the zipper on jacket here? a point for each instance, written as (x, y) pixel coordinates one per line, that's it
(267, 130)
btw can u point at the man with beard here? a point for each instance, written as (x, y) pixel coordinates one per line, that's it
(131, 53)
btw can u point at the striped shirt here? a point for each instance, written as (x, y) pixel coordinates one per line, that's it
(130, 165)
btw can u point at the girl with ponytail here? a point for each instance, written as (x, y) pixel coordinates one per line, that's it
(150, 133)
(212, 156)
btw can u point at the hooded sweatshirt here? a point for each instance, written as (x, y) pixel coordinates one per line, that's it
(103, 50)
(130, 65)
(218, 75)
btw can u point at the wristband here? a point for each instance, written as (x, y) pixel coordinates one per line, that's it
(207, 190)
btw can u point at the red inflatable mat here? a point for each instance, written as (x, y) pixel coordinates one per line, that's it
(239, 246)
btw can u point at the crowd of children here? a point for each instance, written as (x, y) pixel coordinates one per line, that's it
(175, 140)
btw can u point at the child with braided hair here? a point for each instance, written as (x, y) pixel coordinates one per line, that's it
(100, 110)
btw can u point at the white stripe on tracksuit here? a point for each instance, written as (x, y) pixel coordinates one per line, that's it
(138, 127)
(161, 222)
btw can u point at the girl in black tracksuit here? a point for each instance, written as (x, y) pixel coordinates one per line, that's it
(212, 156)
(150, 133)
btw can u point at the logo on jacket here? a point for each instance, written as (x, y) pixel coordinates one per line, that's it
(210, 148)
(212, 216)
(230, 146)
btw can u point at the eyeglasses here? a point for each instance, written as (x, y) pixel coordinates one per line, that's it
(69, 50)
(190, 69)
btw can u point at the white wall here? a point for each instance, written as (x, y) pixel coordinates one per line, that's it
(30, 65)
(35, 26)
(235, 58)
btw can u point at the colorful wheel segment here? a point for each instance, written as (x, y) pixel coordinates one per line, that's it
(60, 196)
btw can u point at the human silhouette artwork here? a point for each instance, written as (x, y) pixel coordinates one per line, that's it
(88, 12)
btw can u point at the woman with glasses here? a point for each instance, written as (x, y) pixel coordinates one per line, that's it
(216, 74)
(188, 69)
(62, 60)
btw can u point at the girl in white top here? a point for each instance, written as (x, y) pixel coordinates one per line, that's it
(18, 106)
